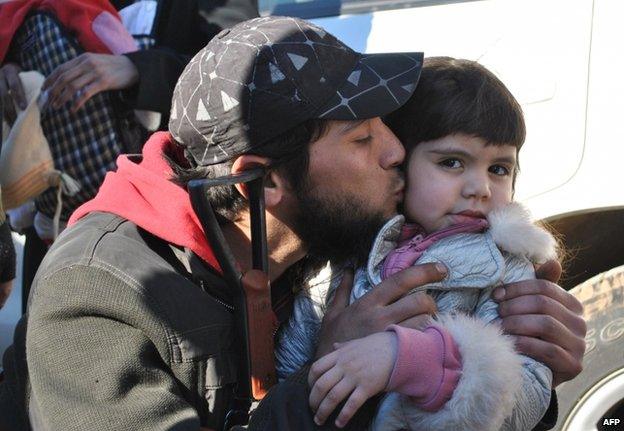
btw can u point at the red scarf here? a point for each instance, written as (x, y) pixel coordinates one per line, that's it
(76, 15)
(142, 193)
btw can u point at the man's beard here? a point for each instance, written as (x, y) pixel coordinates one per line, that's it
(338, 228)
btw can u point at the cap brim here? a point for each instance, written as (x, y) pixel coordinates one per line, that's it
(378, 85)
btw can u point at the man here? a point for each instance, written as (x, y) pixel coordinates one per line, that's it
(130, 323)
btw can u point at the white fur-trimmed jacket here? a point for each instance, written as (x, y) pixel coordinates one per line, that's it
(499, 389)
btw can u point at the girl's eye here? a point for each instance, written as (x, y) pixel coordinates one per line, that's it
(499, 170)
(451, 163)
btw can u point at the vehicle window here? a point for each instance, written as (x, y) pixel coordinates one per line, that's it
(323, 8)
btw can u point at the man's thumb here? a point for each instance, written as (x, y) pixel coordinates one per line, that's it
(550, 270)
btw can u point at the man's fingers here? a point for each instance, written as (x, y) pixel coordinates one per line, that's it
(5, 291)
(15, 85)
(403, 281)
(7, 102)
(416, 322)
(544, 305)
(539, 287)
(541, 326)
(551, 271)
(357, 398)
(335, 396)
(341, 297)
(415, 305)
(564, 364)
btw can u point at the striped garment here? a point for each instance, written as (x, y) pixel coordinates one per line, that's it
(85, 145)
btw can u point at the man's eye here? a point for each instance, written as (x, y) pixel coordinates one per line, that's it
(364, 140)
(499, 170)
(451, 163)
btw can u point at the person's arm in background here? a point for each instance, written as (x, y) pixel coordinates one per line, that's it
(148, 77)
(181, 32)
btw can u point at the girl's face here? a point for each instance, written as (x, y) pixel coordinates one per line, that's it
(457, 178)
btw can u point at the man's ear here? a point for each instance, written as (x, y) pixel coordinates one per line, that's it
(274, 184)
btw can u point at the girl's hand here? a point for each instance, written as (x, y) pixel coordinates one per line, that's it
(356, 371)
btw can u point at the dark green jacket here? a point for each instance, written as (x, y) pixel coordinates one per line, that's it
(118, 338)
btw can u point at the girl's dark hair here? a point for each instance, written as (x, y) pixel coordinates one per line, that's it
(289, 154)
(459, 96)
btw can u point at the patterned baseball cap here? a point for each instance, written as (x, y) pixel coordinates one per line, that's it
(264, 76)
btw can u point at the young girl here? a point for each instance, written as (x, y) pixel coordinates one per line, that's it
(462, 130)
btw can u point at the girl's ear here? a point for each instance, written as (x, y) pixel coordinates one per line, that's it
(273, 184)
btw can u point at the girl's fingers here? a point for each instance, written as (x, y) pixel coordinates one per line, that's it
(320, 367)
(356, 400)
(335, 396)
(323, 386)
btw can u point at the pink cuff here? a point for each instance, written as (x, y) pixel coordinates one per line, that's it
(427, 366)
(113, 34)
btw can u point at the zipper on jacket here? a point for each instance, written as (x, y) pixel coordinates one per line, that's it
(228, 306)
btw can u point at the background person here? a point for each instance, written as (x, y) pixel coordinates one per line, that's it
(96, 79)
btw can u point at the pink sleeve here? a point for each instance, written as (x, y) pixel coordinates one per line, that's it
(427, 366)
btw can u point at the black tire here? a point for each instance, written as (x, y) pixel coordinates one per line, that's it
(603, 299)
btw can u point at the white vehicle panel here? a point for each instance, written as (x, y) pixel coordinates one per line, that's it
(598, 182)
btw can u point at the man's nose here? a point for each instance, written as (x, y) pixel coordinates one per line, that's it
(392, 152)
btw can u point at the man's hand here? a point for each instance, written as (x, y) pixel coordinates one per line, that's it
(546, 320)
(382, 306)
(86, 75)
(11, 90)
(5, 291)
(355, 371)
